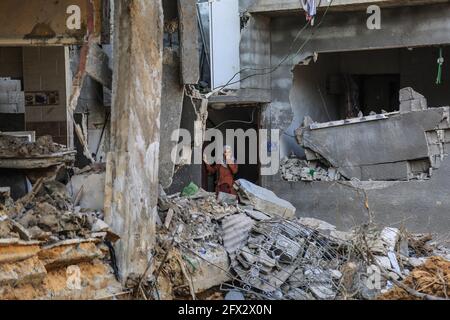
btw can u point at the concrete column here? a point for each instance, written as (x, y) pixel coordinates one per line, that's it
(132, 170)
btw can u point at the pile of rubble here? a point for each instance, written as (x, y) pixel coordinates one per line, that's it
(50, 249)
(223, 249)
(12, 146)
(294, 169)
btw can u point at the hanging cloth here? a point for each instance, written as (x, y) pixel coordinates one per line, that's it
(440, 62)
(310, 9)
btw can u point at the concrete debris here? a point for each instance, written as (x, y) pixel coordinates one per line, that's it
(43, 238)
(11, 146)
(294, 169)
(286, 260)
(264, 200)
(235, 231)
(234, 295)
(227, 198)
(375, 147)
(392, 262)
(210, 245)
(430, 278)
(47, 215)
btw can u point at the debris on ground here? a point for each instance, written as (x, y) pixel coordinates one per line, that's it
(238, 249)
(294, 169)
(12, 146)
(263, 200)
(431, 278)
(50, 249)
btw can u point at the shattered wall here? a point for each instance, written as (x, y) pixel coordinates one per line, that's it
(345, 31)
(132, 168)
(418, 204)
(421, 206)
(312, 83)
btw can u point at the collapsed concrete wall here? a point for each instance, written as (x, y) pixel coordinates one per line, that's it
(420, 206)
(346, 31)
(131, 190)
(399, 146)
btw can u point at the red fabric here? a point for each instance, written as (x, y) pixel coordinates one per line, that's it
(225, 179)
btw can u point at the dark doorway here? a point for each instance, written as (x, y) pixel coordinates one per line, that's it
(378, 92)
(234, 117)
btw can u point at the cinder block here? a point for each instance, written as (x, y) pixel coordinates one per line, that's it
(408, 93)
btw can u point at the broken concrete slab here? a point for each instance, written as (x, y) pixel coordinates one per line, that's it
(323, 292)
(264, 200)
(257, 215)
(411, 100)
(226, 198)
(374, 146)
(211, 269)
(390, 237)
(92, 186)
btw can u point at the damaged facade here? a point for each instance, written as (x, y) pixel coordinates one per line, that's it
(359, 110)
(92, 205)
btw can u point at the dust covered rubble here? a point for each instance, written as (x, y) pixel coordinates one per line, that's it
(11, 146)
(44, 239)
(295, 169)
(205, 244)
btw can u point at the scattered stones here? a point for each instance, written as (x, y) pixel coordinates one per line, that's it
(41, 235)
(11, 146)
(294, 169)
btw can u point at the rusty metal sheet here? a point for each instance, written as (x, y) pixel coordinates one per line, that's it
(40, 22)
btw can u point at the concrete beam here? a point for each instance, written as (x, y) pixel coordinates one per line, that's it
(243, 96)
(190, 60)
(131, 192)
(285, 6)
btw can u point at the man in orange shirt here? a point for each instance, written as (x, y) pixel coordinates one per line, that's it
(225, 171)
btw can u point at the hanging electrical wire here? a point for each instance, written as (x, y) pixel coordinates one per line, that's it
(273, 69)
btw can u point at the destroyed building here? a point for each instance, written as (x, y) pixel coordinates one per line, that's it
(92, 205)
(371, 105)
